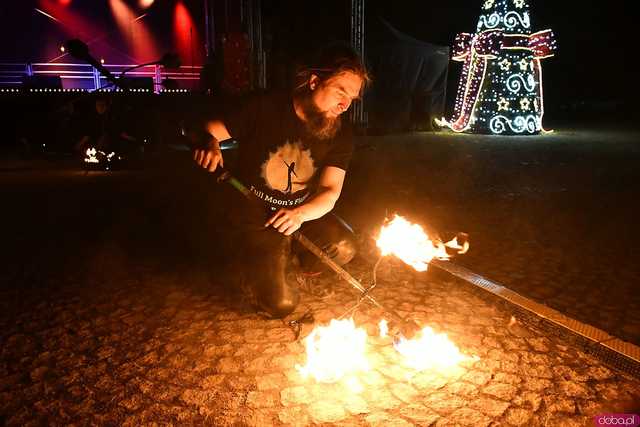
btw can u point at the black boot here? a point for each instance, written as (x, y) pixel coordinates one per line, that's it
(273, 292)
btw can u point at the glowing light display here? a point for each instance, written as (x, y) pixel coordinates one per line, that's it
(500, 90)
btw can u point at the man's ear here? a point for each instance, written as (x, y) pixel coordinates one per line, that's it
(314, 81)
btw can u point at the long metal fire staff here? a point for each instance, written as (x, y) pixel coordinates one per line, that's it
(406, 327)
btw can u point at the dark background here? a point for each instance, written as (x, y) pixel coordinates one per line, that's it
(593, 65)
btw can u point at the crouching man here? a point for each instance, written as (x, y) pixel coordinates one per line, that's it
(294, 152)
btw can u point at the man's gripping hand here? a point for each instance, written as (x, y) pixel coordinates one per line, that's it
(209, 157)
(286, 221)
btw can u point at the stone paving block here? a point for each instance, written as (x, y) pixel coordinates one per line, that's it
(419, 414)
(355, 404)
(286, 362)
(462, 389)
(326, 411)
(262, 399)
(404, 392)
(575, 390)
(294, 396)
(502, 377)
(274, 381)
(501, 391)
(381, 399)
(492, 407)
(477, 377)
(428, 381)
(599, 372)
(465, 417)
(559, 404)
(257, 418)
(229, 365)
(565, 421)
(295, 416)
(519, 416)
(568, 373)
(373, 378)
(381, 419)
(258, 364)
(241, 382)
(443, 403)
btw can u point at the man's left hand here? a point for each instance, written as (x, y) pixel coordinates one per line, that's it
(286, 221)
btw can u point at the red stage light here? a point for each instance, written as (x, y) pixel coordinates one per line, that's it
(187, 39)
(64, 2)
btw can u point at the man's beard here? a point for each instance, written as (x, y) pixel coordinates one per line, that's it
(317, 122)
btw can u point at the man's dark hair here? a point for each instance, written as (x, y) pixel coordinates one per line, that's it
(330, 61)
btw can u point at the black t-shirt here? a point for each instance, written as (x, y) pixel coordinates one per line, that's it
(279, 161)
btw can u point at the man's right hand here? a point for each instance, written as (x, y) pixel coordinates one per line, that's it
(209, 157)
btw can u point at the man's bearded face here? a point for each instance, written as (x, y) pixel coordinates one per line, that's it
(320, 124)
(324, 101)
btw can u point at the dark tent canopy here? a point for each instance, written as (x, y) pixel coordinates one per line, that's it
(409, 80)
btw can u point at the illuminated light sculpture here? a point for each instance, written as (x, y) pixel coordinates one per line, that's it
(500, 90)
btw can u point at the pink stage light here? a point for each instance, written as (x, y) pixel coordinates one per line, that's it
(145, 3)
(135, 32)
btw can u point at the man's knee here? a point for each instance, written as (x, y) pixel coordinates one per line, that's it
(343, 250)
(280, 307)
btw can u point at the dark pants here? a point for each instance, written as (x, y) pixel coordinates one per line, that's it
(261, 255)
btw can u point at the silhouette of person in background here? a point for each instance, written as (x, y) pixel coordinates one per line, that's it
(103, 130)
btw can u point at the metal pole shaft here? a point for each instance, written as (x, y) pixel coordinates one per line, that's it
(314, 249)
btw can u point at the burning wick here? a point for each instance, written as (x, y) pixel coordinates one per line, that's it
(411, 244)
(335, 351)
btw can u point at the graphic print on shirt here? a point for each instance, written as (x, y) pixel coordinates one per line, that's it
(288, 169)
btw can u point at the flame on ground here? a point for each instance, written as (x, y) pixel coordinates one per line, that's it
(430, 350)
(335, 351)
(384, 328)
(91, 156)
(410, 243)
(94, 156)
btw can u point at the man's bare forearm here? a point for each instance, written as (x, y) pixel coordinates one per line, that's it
(318, 205)
(218, 131)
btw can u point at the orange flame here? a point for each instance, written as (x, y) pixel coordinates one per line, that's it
(430, 350)
(410, 243)
(335, 351)
(384, 328)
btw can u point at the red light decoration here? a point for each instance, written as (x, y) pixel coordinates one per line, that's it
(187, 39)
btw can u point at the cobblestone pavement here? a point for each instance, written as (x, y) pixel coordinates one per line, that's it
(156, 347)
(108, 316)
